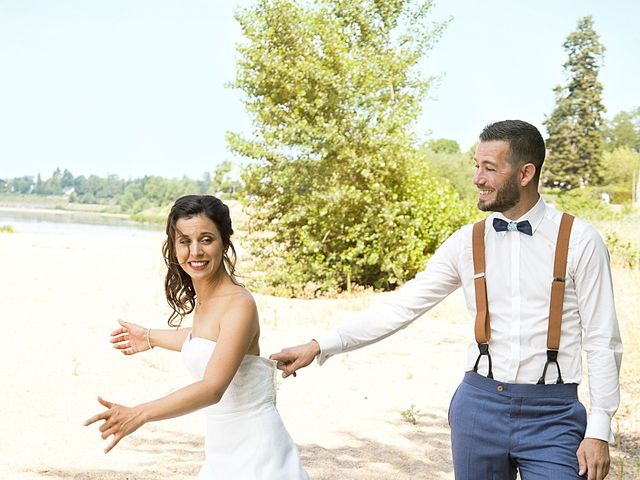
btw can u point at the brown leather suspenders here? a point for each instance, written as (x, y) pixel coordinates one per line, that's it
(557, 295)
(483, 326)
(482, 323)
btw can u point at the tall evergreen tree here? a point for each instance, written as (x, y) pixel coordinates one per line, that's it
(574, 128)
(336, 190)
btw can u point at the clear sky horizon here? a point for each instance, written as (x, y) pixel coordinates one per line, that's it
(137, 87)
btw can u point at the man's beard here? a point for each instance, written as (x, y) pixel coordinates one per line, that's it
(507, 196)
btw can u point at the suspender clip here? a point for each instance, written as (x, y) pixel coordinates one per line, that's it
(559, 279)
(484, 350)
(552, 357)
(479, 275)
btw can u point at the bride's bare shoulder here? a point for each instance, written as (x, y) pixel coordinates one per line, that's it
(241, 298)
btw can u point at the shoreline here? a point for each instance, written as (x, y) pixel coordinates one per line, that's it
(29, 213)
(60, 211)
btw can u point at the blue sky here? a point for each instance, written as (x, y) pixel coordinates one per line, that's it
(135, 87)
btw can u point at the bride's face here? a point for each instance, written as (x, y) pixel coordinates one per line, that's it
(199, 246)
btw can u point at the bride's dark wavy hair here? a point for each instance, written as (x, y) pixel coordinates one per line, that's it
(178, 287)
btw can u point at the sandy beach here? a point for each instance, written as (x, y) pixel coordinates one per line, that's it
(63, 292)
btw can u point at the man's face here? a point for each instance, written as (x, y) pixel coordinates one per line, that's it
(496, 179)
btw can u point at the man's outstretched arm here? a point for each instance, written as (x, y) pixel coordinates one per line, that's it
(394, 312)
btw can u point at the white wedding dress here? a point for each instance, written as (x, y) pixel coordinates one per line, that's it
(246, 439)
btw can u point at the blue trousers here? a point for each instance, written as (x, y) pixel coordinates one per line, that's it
(500, 428)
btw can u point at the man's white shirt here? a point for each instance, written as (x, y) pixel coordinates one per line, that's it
(519, 271)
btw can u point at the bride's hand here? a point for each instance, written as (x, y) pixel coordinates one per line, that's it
(130, 338)
(119, 421)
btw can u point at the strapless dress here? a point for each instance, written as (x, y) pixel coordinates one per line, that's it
(246, 438)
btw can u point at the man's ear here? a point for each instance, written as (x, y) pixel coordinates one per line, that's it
(527, 174)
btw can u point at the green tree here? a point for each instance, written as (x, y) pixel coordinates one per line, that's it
(22, 185)
(455, 168)
(444, 145)
(220, 175)
(621, 167)
(623, 131)
(38, 189)
(80, 187)
(224, 182)
(575, 126)
(52, 185)
(204, 185)
(337, 190)
(67, 179)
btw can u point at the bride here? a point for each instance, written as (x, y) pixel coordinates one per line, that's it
(246, 439)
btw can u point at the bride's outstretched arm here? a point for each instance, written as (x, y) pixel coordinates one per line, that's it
(238, 329)
(130, 338)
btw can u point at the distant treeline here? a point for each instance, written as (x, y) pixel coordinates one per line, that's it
(131, 196)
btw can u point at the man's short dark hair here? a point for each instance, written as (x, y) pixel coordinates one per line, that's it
(526, 145)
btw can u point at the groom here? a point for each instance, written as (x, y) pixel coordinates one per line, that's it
(539, 286)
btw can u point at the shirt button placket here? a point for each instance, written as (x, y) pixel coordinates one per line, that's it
(515, 339)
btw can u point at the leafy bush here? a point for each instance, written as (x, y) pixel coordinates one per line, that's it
(6, 229)
(618, 194)
(621, 252)
(154, 218)
(585, 203)
(322, 240)
(410, 415)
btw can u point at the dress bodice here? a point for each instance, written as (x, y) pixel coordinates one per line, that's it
(252, 386)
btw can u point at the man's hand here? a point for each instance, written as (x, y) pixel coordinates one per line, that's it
(593, 458)
(291, 359)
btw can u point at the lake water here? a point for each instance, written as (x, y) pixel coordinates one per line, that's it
(70, 223)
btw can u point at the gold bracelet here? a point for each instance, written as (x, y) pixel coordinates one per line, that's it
(148, 340)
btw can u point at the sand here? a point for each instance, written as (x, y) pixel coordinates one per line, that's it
(62, 294)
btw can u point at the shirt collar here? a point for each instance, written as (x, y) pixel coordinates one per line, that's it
(535, 215)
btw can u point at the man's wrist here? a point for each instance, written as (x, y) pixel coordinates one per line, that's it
(597, 440)
(330, 344)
